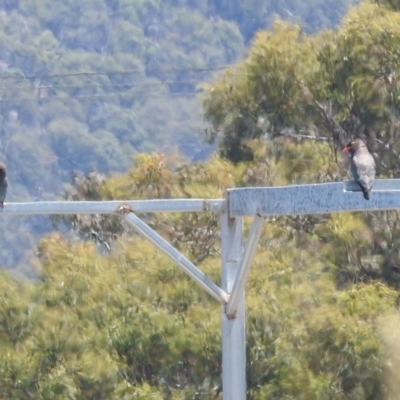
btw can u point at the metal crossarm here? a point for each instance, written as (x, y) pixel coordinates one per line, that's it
(110, 207)
(313, 199)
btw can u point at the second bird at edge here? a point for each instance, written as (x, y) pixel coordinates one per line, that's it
(3, 184)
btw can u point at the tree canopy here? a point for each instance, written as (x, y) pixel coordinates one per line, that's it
(332, 85)
(126, 323)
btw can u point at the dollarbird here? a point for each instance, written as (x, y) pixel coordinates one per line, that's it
(362, 165)
(3, 184)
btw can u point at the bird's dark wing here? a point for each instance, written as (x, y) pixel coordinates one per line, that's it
(3, 190)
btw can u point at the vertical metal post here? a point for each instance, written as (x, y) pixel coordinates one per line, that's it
(244, 266)
(233, 329)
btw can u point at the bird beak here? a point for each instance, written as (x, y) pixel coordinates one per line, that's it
(345, 150)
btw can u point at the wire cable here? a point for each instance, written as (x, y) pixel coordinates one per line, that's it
(95, 96)
(126, 72)
(130, 85)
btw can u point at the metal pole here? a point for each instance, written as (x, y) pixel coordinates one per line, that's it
(233, 329)
(244, 265)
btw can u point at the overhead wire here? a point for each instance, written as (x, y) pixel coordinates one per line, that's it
(103, 86)
(123, 72)
(131, 85)
(94, 96)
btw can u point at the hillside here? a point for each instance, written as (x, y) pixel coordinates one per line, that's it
(88, 85)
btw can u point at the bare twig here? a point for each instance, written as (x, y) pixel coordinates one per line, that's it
(330, 124)
(301, 136)
(387, 146)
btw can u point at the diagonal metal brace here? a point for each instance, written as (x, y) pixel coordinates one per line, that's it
(244, 266)
(187, 266)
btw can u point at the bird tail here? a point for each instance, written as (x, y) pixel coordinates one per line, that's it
(365, 190)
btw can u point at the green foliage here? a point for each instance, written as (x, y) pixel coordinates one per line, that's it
(334, 84)
(392, 4)
(127, 323)
(254, 15)
(264, 93)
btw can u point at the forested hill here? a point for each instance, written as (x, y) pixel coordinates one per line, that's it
(87, 84)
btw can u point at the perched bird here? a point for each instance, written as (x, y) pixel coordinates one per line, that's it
(3, 184)
(362, 165)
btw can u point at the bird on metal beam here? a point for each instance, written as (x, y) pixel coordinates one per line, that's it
(362, 165)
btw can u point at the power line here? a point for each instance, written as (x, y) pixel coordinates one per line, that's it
(130, 85)
(126, 72)
(95, 96)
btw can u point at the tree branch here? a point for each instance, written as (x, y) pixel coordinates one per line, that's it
(330, 124)
(301, 136)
